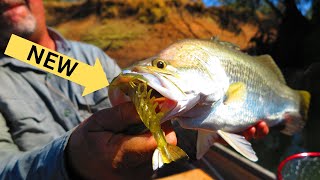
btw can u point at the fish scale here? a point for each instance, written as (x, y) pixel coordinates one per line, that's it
(257, 88)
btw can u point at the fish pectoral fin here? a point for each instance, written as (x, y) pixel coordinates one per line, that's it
(236, 92)
(205, 141)
(240, 144)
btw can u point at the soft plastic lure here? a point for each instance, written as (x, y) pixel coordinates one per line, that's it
(146, 108)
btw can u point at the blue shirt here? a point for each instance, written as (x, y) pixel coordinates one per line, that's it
(38, 110)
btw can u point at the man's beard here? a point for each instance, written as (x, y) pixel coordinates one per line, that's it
(24, 28)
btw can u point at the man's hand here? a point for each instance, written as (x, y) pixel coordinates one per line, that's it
(98, 150)
(258, 131)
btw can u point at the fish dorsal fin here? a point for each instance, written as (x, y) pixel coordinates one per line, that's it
(225, 43)
(267, 61)
(240, 144)
(236, 92)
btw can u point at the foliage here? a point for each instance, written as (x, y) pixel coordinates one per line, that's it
(150, 11)
(111, 34)
(107, 34)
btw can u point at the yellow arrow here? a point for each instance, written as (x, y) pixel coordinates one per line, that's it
(92, 78)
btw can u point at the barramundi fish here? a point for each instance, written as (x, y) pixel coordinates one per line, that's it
(212, 87)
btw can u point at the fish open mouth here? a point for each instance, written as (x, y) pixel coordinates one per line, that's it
(159, 102)
(163, 104)
(130, 90)
(151, 97)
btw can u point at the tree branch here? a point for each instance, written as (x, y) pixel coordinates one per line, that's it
(274, 8)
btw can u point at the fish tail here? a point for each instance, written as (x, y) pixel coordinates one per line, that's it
(304, 103)
(295, 121)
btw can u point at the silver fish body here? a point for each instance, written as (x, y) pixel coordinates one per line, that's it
(220, 90)
(267, 96)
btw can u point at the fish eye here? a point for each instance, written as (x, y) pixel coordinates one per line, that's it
(159, 64)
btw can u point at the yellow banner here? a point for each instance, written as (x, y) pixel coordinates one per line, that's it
(92, 78)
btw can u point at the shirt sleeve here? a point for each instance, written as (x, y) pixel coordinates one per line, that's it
(45, 163)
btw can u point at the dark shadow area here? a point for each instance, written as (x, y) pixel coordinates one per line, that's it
(295, 48)
(293, 44)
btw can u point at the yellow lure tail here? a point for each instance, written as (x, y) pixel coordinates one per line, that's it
(146, 108)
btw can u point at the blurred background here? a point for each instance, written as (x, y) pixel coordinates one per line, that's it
(132, 30)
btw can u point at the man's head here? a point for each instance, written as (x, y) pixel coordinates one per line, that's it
(25, 18)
